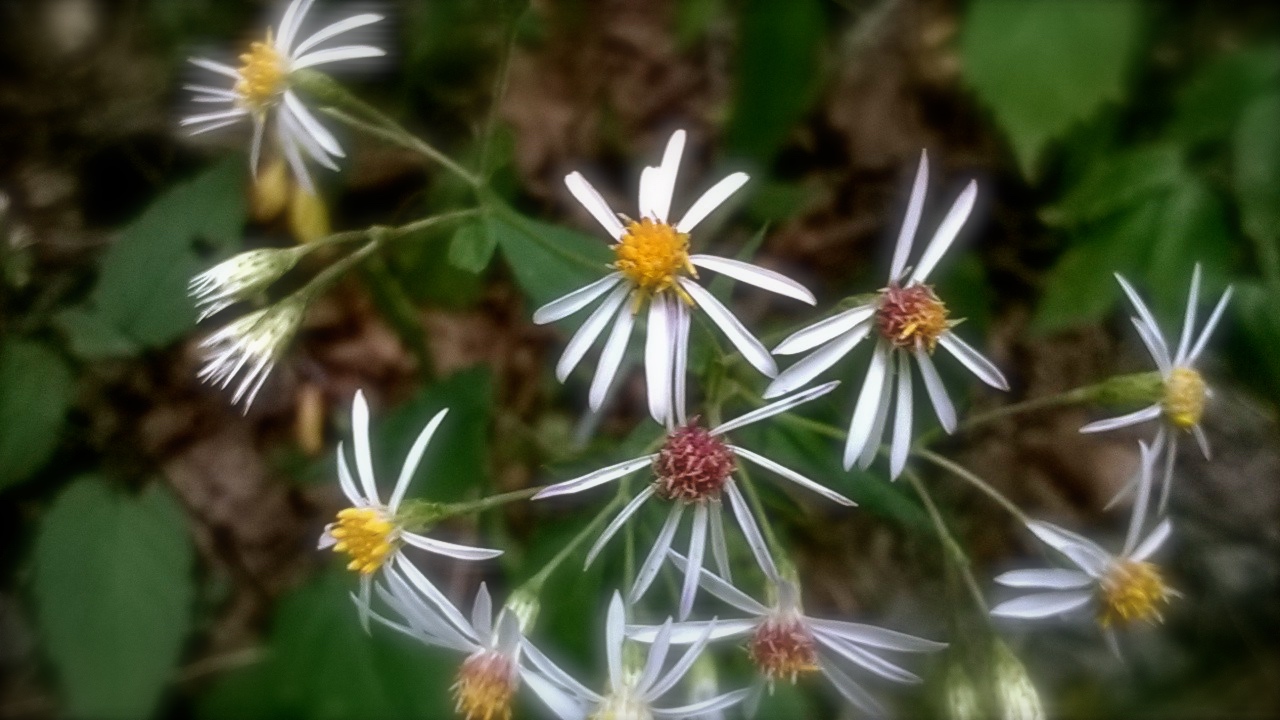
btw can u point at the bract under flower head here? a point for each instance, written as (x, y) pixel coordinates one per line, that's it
(1184, 398)
(693, 465)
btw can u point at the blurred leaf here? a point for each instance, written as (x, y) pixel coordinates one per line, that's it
(1258, 308)
(965, 288)
(548, 261)
(778, 72)
(36, 389)
(1212, 101)
(91, 338)
(114, 591)
(1192, 229)
(1116, 182)
(472, 247)
(421, 263)
(1257, 169)
(694, 18)
(1044, 66)
(322, 666)
(142, 287)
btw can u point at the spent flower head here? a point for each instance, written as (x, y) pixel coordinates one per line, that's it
(249, 347)
(240, 277)
(909, 321)
(260, 89)
(653, 265)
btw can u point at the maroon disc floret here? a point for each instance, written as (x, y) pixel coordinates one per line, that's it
(692, 465)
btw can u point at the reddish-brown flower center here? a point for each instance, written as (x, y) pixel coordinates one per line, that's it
(782, 648)
(485, 686)
(692, 465)
(911, 317)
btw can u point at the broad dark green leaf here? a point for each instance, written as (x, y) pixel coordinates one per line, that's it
(1044, 66)
(1257, 170)
(142, 288)
(114, 592)
(91, 337)
(36, 389)
(1211, 103)
(547, 260)
(1115, 183)
(1258, 308)
(472, 247)
(1192, 229)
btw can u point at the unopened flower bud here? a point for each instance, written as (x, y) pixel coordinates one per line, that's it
(270, 191)
(1017, 696)
(308, 216)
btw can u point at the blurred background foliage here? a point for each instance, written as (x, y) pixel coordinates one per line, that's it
(158, 547)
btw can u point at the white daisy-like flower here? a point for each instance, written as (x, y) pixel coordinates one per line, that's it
(240, 277)
(909, 322)
(1185, 391)
(260, 90)
(633, 689)
(653, 266)
(694, 468)
(785, 643)
(369, 531)
(249, 347)
(1121, 589)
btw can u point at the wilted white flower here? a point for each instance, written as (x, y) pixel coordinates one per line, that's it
(694, 467)
(910, 322)
(369, 531)
(240, 277)
(653, 265)
(784, 643)
(632, 688)
(1185, 391)
(250, 346)
(261, 89)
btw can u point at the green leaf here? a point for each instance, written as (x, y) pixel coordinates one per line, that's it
(778, 73)
(1044, 66)
(91, 338)
(142, 287)
(1192, 229)
(1211, 103)
(548, 261)
(1258, 308)
(472, 247)
(36, 389)
(1115, 183)
(322, 666)
(114, 591)
(1257, 170)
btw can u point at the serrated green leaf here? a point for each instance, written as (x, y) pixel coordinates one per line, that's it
(36, 388)
(1257, 170)
(1044, 66)
(472, 247)
(548, 261)
(142, 287)
(114, 592)
(1115, 183)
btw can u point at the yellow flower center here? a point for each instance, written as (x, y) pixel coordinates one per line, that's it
(651, 255)
(484, 687)
(912, 317)
(365, 534)
(783, 648)
(1131, 591)
(1184, 395)
(262, 75)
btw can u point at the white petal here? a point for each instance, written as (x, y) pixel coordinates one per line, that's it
(1138, 517)
(598, 477)
(567, 305)
(653, 561)
(657, 655)
(869, 399)
(721, 588)
(719, 547)
(311, 125)
(1166, 477)
(763, 278)
(901, 442)
(614, 525)
(973, 360)
(560, 703)
(482, 614)
(688, 632)
(432, 593)
(289, 24)
(1154, 344)
(453, 550)
(336, 29)
(291, 130)
(215, 66)
(667, 175)
(946, 232)
(220, 93)
(210, 128)
(1045, 578)
(852, 691)
(681, 667)
(1202, 440)
(814, 364)
(591, 200)
(679, 373)
(1154, 541)
(1136, 417)
(750, 531)
(915, 206)
(364, 458)
(590, 330)
(942, 406)
(658, 359)
(1210, 326)
(697, 548)
(413, 458)
(610, 358)
(291, 154)
(1041, 605)
(703, 708)
(793, 476)
(775, 408)
(232, 114)
(711, 200)
(338, 54)
(553, 673)
(1081, 550)
(744, 341)
(344, 480)
(649, 178)
(614, 629)
(866, 660)
(823, 331)
(1189, 318)
(878, 637)
(1161, 353)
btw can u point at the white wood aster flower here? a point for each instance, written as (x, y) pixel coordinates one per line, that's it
(260, 90)
(653, 265)
(909, 322)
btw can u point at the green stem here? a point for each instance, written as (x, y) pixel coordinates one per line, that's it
(476, 507)
(499, 91)
(1070, 397)
(958, 557)
(973, 479)
(387, 129)
(534, 584)
(394, 302)
(780, 555)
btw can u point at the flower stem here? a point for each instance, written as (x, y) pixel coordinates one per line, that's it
(780, 556)
(954, 551)
(534, 584)
(973, 479)
(384, 128)
(476, 507)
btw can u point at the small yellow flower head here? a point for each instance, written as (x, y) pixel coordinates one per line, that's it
(262, 75)
(367, 535)
(912, 317)
(652, 254)
(782, 648)
(1184, 396)
(1132, 590)
(484, 687)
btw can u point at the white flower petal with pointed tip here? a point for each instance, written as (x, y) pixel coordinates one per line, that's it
(370, 531)
(653, 265)
(694, 469)
(261, 89)
(908, 322)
